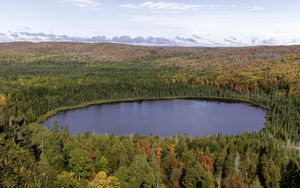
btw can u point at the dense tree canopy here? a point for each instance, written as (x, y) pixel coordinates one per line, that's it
(38, 80)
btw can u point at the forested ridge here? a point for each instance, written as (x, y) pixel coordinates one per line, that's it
(40, 78)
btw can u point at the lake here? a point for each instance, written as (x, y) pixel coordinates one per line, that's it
(163, 117)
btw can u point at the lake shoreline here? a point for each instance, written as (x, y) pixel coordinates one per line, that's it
(54, 112)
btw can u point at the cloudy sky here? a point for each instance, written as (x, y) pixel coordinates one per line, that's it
(219, 18)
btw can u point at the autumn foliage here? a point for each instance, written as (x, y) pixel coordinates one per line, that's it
(234, 181)
(3, 100)
(205, 160)
(37, 79)
(145, 145)
(171, 149)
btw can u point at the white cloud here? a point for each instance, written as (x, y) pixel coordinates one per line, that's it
(167, 6)
(164, 6)
(89, 4)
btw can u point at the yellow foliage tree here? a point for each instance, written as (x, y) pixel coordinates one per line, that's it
(101, 180)
(67, 179)
(3, 100)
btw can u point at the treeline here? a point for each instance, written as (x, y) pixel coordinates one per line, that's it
(32, 156)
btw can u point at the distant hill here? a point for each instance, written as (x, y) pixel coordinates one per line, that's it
(108, 52)
(194, 40)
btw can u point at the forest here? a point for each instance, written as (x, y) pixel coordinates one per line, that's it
(38, 80)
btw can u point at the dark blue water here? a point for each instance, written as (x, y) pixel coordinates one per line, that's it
(164, 118)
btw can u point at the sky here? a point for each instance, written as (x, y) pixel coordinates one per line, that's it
(170, 18)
